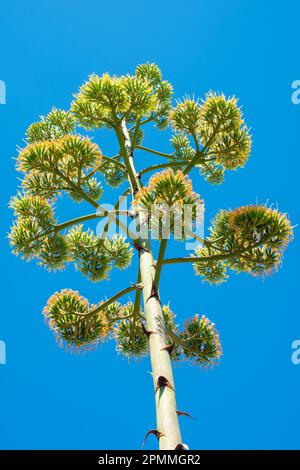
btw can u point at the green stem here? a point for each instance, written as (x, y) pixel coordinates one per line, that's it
(159, 262)
(155, 152)
(124, 142)
(142, 123)
(77, 189)
(115, 297)
(137, 302)
(193, 162)
(218, 257)
(116, 207)
(95, 170)
(114, 162)
(161, 166)
(135, 135)
(78, 220)
(195, 236)
(121, 317)
(64, 225)
(203, 152)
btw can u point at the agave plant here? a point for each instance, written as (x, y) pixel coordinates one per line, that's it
(208, 135)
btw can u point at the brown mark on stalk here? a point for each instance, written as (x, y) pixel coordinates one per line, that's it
(139, 177)
(154, 293)
(180, 447)
(163, 382)
(139, 248)
(147, 332)
(184, 413)
(168, 348)
(138, 286)
(155, 432)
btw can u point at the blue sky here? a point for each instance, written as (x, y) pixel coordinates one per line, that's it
(50, 399)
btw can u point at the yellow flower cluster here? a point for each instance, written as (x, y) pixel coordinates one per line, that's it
(171, 204)
(101, 100)
(69, 152)
(167, 187)
(201, 342)
(218, 125)
(69, 316)
(209, 326)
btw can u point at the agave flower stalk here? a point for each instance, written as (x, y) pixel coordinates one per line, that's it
(57, 161)
(165, 396)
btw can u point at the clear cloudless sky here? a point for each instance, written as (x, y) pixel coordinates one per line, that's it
(50, 399)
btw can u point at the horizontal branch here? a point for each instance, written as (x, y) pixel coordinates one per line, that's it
(58, 228)
(76, 188)
(142, 123)
(114, 161)
(115, 297)
(193, 259)
(102, 165)
(155, 152)
(218, 257)
(161, 166)
(195, 236)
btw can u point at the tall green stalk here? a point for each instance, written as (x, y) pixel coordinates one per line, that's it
(163, 380)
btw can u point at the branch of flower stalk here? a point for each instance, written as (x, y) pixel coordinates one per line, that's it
(135, 134)
(207, 168)
(137, 301)
(136, 313)
(98, 206)
(193, 259)
(198, 159)
(64, 225)
(107, 159)
(121, 317)
(208, 243)
(172, 164)
(79, 174)
(142, 123)
(217, 257)
(115, 297)
(194, 160)
(116, 208)
(114, 161)
(155, 152)
(201, 152)
(70, 223)
(122, 226)
(195, 236)
(122, 134)
(160, 259)
(161, 166)
(112, 320)
(196, 142)
(77, 189)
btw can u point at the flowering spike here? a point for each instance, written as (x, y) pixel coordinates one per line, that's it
(248, 239)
